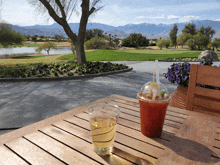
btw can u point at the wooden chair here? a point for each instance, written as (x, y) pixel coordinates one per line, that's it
(207, 100)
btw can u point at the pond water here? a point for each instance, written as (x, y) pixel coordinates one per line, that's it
(31, 50)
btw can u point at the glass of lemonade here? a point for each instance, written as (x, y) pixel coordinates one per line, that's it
(103, 119)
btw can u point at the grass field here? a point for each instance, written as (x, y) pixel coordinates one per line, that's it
(107, 55)
(140, 54)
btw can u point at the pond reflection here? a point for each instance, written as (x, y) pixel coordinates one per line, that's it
(31, 50)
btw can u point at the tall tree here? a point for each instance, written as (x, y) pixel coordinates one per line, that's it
(201, 30)
(173, 35)
(9, 37)
(216, 43)
(189, 28)
(59, 37)
(209, 31)
(59, 11)
(93, 33)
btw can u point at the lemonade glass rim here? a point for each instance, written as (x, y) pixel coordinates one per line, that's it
(109, 115)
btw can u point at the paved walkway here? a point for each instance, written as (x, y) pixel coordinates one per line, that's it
(24, 103)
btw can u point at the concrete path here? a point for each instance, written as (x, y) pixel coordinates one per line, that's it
(24, 103)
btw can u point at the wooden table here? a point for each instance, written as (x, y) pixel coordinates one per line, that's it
(187, 138)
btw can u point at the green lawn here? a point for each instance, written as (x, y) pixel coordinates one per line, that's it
(31, 45)
(136, 55)
(152, 51)
(107, 55)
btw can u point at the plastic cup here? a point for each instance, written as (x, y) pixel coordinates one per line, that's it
(103, 120)
(153, 100)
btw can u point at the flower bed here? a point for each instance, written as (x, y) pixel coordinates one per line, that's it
(69, 68)
(180, 73)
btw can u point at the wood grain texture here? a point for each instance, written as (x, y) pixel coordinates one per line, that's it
(188, 137)
(123, 138)
(32, 153)
(208, 99)
(59, 150)
(84, 133)
(196, 139)
(79, 144)
(7, 157)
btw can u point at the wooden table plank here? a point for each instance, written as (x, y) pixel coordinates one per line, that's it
(136, 111)
(125, 109)
(85, 134)
(79, 144)
(66, 139)
(31, 153)
(139, 144)
(127, 100)
(7, 157)
(197, 143)
(136, 120)
(59, 150)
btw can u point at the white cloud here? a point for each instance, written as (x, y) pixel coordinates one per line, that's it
(218, 19)
(158, 17)
(141, 17)
(173, 17)
(151, 17)
(188, 18)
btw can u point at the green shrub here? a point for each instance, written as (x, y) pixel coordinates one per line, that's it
(96, 43)
(70, 74)
(55, 73)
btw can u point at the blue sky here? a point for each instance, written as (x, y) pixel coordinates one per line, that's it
(121, 12)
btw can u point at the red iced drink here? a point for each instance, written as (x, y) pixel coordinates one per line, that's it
(152, 116)
(153, 100)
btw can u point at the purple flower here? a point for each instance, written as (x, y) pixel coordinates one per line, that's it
(184, 78)
(178, 80)
(178, 72)
(179, 64)
(177, 68)
(169, 70)
(187, 68)
(171, 77)
(202, 62)
(201, 85)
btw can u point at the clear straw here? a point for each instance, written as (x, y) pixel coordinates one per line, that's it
(157, 71)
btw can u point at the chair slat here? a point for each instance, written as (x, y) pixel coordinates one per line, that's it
(214, 94)
(206, 99)
(208, 70)
(207, 104)
(208, 80)
(191, 87)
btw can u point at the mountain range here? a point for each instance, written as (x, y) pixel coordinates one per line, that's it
(146, 29)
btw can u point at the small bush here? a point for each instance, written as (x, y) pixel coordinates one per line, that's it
(55, 73)
(70, 74)
(96, 43)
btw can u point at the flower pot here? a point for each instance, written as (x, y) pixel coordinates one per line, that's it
(178, 98)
